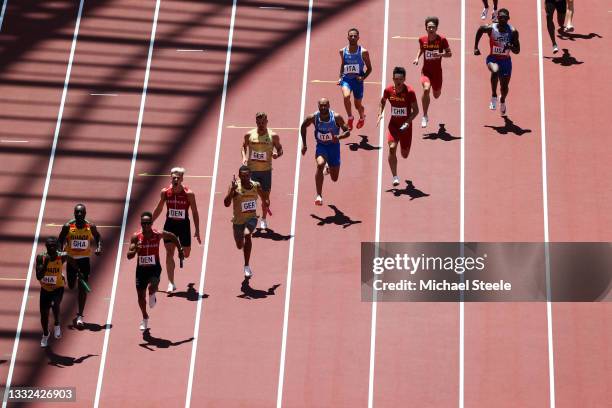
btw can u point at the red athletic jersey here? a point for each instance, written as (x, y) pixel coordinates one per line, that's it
(149, 251)
(400, 102)
(177, 204)
(432, 50)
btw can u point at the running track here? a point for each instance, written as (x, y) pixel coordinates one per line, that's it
(179, 112)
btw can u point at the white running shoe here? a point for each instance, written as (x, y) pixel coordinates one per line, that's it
(319, 200)
(57, 332)
(144, 324)
(152, 300)
(494, 16)
(45, 340)
(493, 104)
(396, 181)
(247, 271)
(79, 320)
(502, 108)
(171, 287)
(263, 224)
(484, 13)
(424, 121)
(555, 49)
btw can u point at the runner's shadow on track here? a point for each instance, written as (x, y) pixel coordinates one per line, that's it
(249, 293)
(158, 342)
(363, 144)
(565, 60)
(509, 127)
(94, 327)
(410, 191)
(270, 234)
(441, 134)
(573, 36)
(191, 294)
(64, 361)
(339, 218)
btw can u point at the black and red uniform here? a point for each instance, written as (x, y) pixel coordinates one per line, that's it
(148, 269)
(177, 215)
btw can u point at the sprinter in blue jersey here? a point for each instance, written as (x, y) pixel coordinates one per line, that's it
(327, 125)
(353, 59)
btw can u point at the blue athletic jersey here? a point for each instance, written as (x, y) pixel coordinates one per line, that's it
(353, 63)
(325, 130)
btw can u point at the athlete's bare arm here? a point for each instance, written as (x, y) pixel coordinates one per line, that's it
(61, 240)
(244, 151)
(481, 30)
(134, 247)
(419, 53)
(342, 125)
(41, 265)
(168, 236)
(160, 206)
(381, 107)
(196, 215)
(414, 111)
(265, 201)
(227, 201)
(307, 122)
(447, 53)
(277, 146)
(368, 63)
(515, 45)
(97, 238)
(341, 65)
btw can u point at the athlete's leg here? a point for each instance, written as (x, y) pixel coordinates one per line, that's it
(248, 244)
(57, 301)
(319, 174)
(44, 312)
(550, 24)
(406, 142)
(334, 172)
(170, 260)
(393, 157)
(346, 94)
(561, 12)
(142, 301)
(494, 78)
(504, 87)
(238, 235)
(360, 108)
(425, 100)
(187, 251)
(569, 16)
(82, 298)
(266, 195)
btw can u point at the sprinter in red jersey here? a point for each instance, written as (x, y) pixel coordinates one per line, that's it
(178, 199)
(145, 244)
(404, 109)
(433, 47)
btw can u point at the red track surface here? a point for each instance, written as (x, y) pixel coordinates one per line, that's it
(238, 352)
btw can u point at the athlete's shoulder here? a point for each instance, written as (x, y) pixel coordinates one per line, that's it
(410, 89)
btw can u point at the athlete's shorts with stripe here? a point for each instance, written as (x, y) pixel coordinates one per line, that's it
(331, 153)
(354, 85)
(146, 275)
(85, 268)
(433, 77)
(505, 65)
(180, 228)
(251, 224)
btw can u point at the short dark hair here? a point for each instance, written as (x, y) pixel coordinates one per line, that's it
(399, 70)
(261, 115)
(432, 19)
(503, 10)
(353, 29)
(244, 168)
(146, 214)
(51, 240)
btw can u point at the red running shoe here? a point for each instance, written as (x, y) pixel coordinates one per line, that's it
(350, 122)
(360, 123)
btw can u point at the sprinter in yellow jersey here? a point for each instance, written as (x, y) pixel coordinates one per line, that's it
(49, 266)
(243, 194)
(260, 146)
(76, 238)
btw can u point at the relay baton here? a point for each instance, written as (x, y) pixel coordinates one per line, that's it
(85, 285)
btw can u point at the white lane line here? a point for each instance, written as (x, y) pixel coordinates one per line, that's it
(462, 209)
(4, 3)
(14, 141)
(253, 126)
(167, 175)
(325, 81)
(549, 328)
(189, 50)
(296, 182)
(211, 202)
(378, 206)
(126, 206)
(53, 224)
(272, 8)
(103, 94)
(399, 37)
(41, 211)
(13, 279)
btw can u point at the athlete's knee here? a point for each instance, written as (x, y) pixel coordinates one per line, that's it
(426, 89)
(392, 149)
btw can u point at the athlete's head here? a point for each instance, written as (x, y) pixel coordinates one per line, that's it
(324, 106)
(177, 174)
(244, 174)
(353, 36)
(51, 245)
(399, 75)
(431, 24)
(146, 221)
(79, 212)
(261, 118)
(503, 15)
